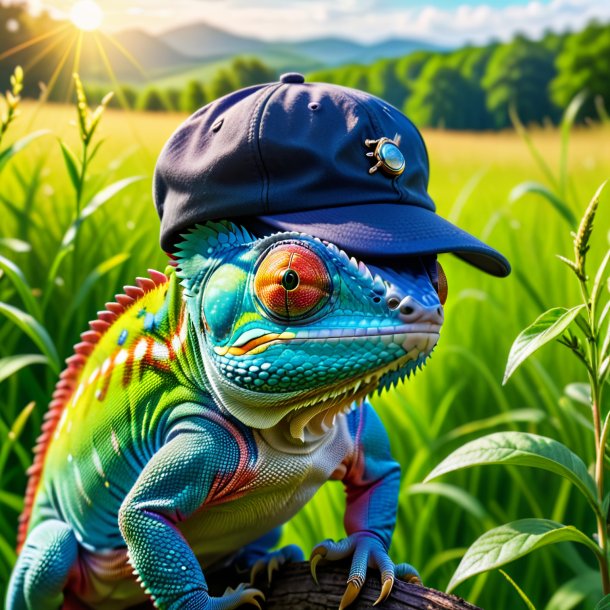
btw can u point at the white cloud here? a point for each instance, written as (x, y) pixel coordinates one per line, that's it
(364, 20)
(368, 20)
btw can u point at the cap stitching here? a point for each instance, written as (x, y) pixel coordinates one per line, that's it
(254, 134)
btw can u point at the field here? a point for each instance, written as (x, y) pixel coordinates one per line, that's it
(455, 398)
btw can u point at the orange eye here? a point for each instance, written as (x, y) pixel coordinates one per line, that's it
(441, 285)
(292, 282)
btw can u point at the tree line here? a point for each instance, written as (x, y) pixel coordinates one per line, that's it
(242, 72)
(470, 88)
(475, 87)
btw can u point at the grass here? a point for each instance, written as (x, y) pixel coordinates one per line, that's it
(457, 397)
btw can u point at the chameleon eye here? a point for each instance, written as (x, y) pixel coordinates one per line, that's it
(292, 282)
(441, 284)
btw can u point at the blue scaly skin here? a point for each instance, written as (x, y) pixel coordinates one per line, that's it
(206, 407)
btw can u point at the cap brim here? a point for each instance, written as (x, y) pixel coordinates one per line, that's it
(390, 230)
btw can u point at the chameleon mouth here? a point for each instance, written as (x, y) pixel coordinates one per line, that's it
(317, 412)
(256, 341)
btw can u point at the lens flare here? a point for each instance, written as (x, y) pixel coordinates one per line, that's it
(86, 15)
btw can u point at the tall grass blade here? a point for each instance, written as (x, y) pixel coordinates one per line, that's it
(16, 245)
(71, 163)
(14, 433)
(519, 591)
(10, 151)
(96, 202)
(525, 136)
(17, 277)
(33, 329)
(457, 495)
(11, 364)
(567, 122)
(535, 188)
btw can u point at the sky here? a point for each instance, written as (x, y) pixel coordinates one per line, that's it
(448, 22)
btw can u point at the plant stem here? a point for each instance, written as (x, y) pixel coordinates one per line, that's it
(601, 434)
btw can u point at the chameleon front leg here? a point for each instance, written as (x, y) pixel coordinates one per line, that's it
(372, 482)
(41, 573)
(172, 486)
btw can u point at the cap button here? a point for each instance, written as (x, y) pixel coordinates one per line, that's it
(292, 77)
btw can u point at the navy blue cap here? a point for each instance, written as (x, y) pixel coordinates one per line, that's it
(330, 161)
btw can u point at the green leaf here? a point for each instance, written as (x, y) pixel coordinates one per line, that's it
(522, 449)
(9, 152)
(17, 277)
(535, 188)
(11, 364)
(520, 591)
(550, 325)
(31, 327)
(71, 163)
(512, 541)
(603, 603)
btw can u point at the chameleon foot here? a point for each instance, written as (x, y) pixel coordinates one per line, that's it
(367, 550)
(233, 598)
(273, 560)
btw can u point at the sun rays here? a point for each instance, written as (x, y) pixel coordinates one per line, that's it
(64, 46)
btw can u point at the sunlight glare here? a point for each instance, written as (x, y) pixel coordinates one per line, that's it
(86, 15)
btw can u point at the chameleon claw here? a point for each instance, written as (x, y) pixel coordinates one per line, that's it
(257, 568)
(386, 589)
(250, 596)
(351, 593)
(316, 557)
(273, 566)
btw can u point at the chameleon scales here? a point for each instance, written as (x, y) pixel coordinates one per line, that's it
(206, 406)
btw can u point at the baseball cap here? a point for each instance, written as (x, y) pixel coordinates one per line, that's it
(330, 161)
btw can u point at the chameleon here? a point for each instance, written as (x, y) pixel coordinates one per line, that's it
(205, 407)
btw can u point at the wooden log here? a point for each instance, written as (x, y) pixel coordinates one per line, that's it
(293, 588)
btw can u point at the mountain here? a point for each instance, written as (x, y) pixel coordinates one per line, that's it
(198, 50)
(329, 51)
(201, 40)
(336, 51)
(135, 56)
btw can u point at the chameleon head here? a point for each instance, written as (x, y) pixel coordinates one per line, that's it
(290, 328)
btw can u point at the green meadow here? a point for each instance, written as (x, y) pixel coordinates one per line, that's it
(458, 395)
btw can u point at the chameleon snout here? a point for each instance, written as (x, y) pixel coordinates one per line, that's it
(412, 311)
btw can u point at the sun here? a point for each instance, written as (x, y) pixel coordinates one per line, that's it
(86, 15)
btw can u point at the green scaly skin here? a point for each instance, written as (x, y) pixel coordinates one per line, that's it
(206, 407)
